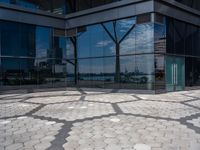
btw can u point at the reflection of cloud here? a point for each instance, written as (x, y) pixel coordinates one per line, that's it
(103, 43)
(126, 23)
(139, 40)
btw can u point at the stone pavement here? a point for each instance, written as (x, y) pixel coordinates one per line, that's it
(97, 119)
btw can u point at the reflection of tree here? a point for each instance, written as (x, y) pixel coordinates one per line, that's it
(117, 42)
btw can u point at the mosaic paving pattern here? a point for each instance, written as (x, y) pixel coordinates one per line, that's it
(124, 132)
(99, 119)
(195, 122)
(13, 109)
(75, 110)
(56, 99)
(110, 98)
(25, 133)
(158, 109)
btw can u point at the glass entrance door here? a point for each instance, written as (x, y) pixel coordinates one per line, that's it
(175, 73)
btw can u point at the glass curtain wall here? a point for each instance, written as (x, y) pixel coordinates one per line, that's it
(53, 6)
(191, 3)
(31, 56)
(183, 41)
(121, 56)
(59, 6)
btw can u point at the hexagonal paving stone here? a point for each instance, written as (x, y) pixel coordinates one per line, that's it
(175, 97)
(75, 110)
(158, 109)
(195, 103)
(13, 109)
(56, 99)
(195, 122)
(130, 133)
(111, 98)
(96, 90)
(26, 133)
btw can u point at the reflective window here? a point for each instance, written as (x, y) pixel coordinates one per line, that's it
(159, 72)
(84, 72)
(160, 38)
(191, 3)
(43, 42)
(144, 71)
(144, 38)
(17, 39)
(53, 6)
(97, 72)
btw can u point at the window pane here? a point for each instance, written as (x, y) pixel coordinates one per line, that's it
(84, 72)
(17, 39)
(160, 38)
(144, 38)
(43, 42)
(144, 71)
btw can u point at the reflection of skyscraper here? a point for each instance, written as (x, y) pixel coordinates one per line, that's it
(116, 45)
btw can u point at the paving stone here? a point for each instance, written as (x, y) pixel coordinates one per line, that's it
(62, 112)
(141, 138)
(24, 138)
(158, 109)
(13, 109)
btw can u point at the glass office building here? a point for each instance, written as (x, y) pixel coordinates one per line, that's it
(118, 44)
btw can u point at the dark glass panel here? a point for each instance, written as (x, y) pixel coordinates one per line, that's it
(45, 72)
(144, 38)
(44, 42)
(191, 3)
(160, 38)
(192, 71)
(86, 4)
(197, 43)
(179, 37)
(17, 39)
(59, 6)
(70, 49)
(188, 40)
(196, 72)
(11, 73)
(59, 47)
(19, 73)
(60, 73)
(170, 36)
(70, 72)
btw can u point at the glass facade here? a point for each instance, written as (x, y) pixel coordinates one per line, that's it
(58, 6)
(115, 58)
(191, 3)
(131, 53)
(31, 56)
(183, 41)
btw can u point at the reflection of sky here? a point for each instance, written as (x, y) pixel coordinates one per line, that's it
(135, 63)
(43, 40)
(96, 42)
(160, 31)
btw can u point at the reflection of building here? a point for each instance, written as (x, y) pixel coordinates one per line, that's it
(100, 43)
